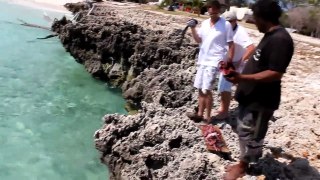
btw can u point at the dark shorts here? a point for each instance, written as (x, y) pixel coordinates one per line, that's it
(253, 123)
(252, 126)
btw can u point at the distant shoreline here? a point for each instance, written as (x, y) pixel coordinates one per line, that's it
(47, 5)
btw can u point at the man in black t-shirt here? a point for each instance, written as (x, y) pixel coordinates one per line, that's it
(259, 85)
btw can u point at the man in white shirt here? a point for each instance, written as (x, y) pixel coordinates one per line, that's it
(214, 36)
(244, 48)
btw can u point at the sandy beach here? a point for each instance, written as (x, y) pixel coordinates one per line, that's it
(46, 5)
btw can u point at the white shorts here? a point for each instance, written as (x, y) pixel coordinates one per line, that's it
(224, 85)
(205, 77)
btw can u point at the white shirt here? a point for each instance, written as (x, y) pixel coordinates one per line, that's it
(214, 45)
(241, 41)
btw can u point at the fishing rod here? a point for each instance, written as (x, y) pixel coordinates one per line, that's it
(191, 23)
(182, 36)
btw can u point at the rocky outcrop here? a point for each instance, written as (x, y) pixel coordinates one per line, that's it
(76, 7)
(168, 86)
(118, 51)
(138, 51)
(157, 143)
(161, 143)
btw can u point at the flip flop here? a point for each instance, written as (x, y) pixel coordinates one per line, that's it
(194, 117)
(219, 117)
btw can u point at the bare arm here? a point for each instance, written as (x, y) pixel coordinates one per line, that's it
(264, 76)
(248, 53)
(231, 51)
(195, 35)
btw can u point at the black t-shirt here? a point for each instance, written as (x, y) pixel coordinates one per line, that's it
(274, 52)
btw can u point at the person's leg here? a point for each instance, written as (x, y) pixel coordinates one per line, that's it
(252, 127)
(198, 83)
(201, 103)
(252, 131)
(224, 89)
(204, 82)
(208, 105)
(209, 80)
(238, 170)
(225, 103)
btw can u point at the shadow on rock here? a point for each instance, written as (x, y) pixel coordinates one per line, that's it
(296, 168)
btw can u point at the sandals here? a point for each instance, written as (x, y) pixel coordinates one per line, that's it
(195, 117)
(220, 117)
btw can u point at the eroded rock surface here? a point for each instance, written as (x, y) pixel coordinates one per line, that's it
(138, 51)
(117, 51)
(157, 143)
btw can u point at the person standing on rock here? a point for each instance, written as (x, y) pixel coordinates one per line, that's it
(214, 36)
(244, 48)
(259, 85)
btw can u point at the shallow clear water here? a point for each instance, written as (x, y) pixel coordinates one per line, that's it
(50, 107)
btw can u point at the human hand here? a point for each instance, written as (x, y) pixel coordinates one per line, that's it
(233, 77)
(226, 67)
(192, 23)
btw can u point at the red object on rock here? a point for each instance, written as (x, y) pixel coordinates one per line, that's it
(214, 139)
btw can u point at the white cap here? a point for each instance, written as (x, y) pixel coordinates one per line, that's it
(229, 15)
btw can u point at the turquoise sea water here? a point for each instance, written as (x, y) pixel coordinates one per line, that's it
(50, 106)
